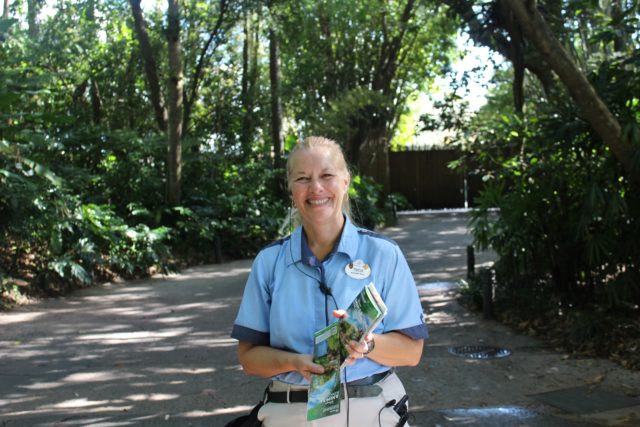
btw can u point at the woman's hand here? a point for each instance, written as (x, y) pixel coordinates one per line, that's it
(267, 361)
(391, 348)
(303, 363)
(356, 350)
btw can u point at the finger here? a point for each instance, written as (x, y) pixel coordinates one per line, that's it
(340, 313)
(316, 369)
(358, 347)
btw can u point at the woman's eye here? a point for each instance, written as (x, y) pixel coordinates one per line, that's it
(302, 179)
(327, 175)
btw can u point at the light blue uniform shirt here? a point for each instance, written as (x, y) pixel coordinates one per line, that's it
(283, 305)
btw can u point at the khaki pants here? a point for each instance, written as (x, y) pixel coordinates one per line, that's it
(362, 412)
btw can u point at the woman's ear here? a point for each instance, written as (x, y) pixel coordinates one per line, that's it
(347, 181)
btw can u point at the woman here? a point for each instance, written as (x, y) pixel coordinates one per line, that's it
(297, 282)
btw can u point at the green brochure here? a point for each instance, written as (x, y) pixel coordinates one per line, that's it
(324, 390)
(363, 315)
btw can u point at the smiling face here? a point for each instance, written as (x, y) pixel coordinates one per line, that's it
(318, 184)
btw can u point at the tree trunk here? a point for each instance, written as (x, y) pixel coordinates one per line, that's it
(244, 86)
(369, 146)
(516, 54)
(94, 91)
(5, 9)
(249, 77)
(373, 158)
(174, 161)
(150, 67)
(96, 101)
(33, 8)
(584, 95)
(331, 85)
(620, 40)
(276, 106)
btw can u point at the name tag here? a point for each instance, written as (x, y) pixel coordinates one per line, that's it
(358, 269)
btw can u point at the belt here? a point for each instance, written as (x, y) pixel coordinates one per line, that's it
(364, 387)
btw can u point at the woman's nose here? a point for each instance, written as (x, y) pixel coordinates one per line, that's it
(315, 183)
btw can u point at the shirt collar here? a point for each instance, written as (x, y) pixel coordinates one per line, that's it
(300, 251)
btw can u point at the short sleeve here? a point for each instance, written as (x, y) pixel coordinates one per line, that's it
(252, 321)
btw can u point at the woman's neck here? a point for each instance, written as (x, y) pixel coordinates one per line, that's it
(322, 239)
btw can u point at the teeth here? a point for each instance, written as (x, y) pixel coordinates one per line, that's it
(318, 202)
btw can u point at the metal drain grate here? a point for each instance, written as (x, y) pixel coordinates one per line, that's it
(481, 352)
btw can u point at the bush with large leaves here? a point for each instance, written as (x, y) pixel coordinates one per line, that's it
(567, 218)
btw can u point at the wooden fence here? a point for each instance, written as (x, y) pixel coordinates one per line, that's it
(425, 179)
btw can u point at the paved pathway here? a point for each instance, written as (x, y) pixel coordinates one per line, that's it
(157, 352)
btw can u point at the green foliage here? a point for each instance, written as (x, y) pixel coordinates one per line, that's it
(335, 65)
(557, 207)
(365, 196)
(236, 204)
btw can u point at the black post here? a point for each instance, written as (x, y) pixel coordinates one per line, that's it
(486, 280)
(471, 262)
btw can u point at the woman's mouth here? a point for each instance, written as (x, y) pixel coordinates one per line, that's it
(318, 202)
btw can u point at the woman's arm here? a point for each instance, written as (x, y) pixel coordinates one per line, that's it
(267, 362)
(391, 349)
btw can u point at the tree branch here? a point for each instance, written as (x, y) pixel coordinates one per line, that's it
(205, 55)
(150, 67)
(584, 95)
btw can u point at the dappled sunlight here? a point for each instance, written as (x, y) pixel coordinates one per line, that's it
(19, 317)
(441, 254)
(142, 384)
(78, 403)
(113, 328)
(99, 376)
(220, 273)
(181, 371)
(136, 336)
(460, 231)
(23, 351)
(210, 305)
(434, 305)
(160, 348)
(119, 297)
(17, 399)
(441, 319)
(43, 385)
(213, 342)
(120, 358)
(234, 410)
(174, 319)
(152, 397)
(91, 407)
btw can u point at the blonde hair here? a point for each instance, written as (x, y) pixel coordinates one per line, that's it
(337, 156)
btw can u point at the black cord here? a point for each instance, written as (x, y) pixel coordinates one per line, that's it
(346, 394)
(387, 405)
